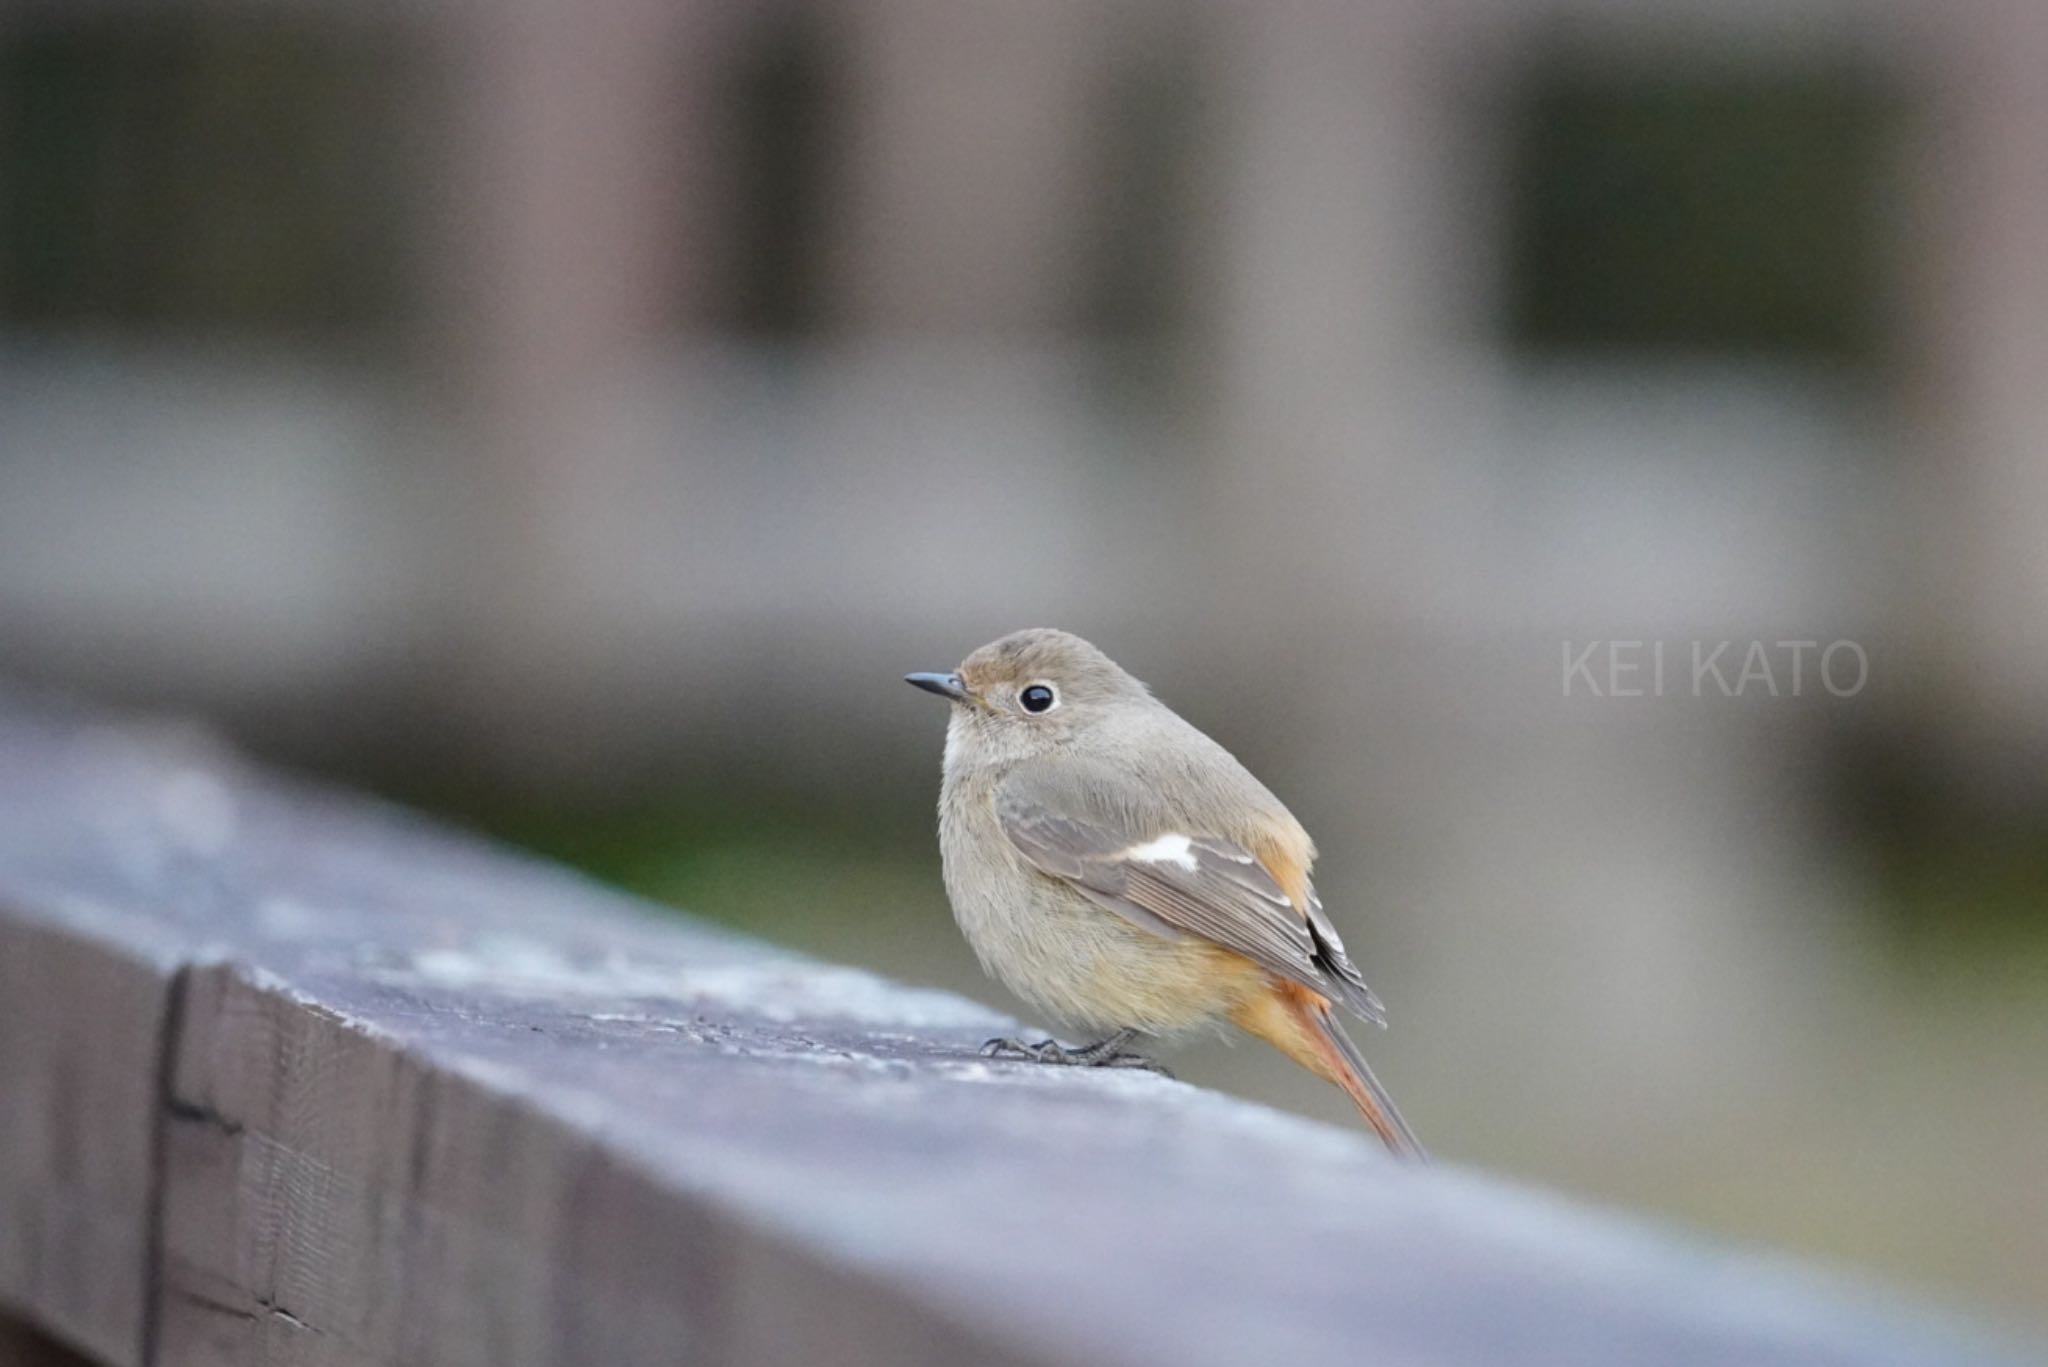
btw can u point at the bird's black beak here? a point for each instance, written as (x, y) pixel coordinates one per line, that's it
(945, 685)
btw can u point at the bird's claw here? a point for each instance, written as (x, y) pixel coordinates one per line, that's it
(1106, 1054)
(1045, 1051)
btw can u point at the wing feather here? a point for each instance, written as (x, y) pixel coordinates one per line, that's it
(1178, 884)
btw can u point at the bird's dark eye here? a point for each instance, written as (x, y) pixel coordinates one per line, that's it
(1037, 698)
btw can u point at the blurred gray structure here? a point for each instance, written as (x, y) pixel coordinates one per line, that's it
(748, 355)
(599, 450)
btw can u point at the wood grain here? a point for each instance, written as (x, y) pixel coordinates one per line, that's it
(289, 1077)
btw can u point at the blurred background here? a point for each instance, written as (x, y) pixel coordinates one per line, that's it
(574, 417)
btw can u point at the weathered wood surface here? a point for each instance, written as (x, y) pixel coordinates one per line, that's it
(24, 1346)
(293, 1078)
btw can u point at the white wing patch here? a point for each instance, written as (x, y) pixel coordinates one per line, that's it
(1167, 849)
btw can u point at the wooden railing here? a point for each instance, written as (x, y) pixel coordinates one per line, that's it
(287, 1076)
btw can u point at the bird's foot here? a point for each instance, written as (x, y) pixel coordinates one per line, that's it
(1105, 1053)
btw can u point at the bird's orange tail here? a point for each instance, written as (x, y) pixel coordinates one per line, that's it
(1298, 1023)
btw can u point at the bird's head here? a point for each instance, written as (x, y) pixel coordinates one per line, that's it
(1030, 692)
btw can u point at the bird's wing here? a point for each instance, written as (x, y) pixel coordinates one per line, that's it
(1089, 826)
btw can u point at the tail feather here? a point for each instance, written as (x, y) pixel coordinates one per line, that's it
(1298, 1023)
(1355, 1076)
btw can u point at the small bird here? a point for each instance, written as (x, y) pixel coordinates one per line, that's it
(1122, 872)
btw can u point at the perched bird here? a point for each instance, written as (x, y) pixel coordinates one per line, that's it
(1123, 872)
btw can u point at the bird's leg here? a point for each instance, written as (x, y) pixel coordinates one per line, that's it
(1104, 1053)
(1109, 1053)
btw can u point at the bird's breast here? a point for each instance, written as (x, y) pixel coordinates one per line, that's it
(1063, 953)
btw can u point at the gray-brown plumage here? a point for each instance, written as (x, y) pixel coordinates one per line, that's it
(1123, 872)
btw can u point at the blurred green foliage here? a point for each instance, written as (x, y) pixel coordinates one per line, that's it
(1685, 208)
(209, 168)
(853, 885)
